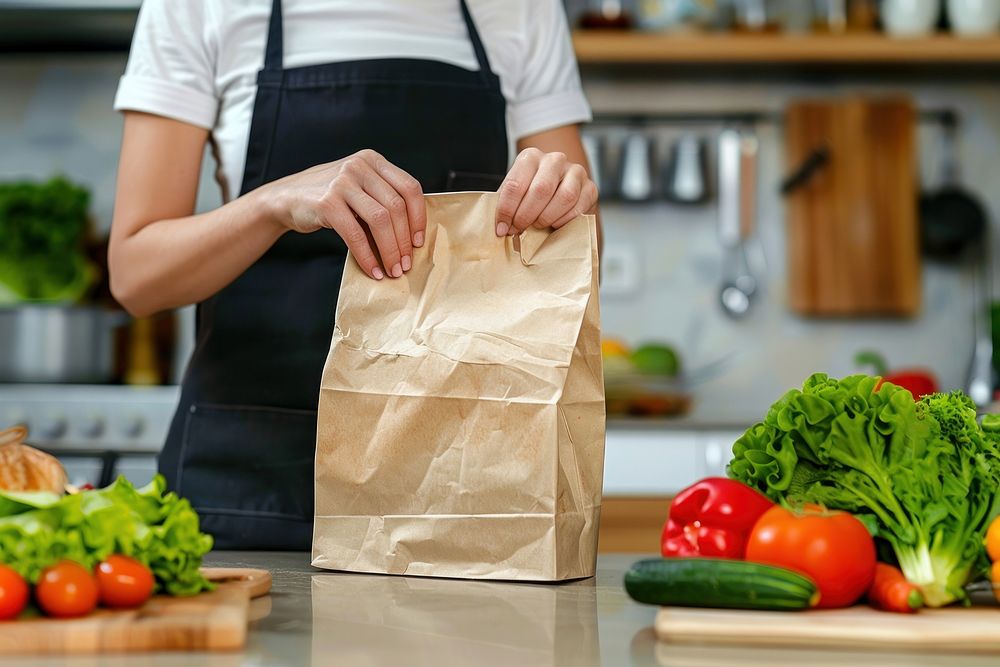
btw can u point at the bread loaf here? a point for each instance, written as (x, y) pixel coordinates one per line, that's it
(24, 468)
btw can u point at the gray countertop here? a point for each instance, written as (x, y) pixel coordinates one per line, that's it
(682, 423)
(318, 618)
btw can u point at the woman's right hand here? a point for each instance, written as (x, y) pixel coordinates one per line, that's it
(373, 205)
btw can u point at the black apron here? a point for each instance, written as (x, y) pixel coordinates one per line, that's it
(242, 443)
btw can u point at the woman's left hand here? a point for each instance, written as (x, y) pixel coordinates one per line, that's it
(543, 190)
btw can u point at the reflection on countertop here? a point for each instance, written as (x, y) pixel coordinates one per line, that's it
(411, 621)
(324, 618)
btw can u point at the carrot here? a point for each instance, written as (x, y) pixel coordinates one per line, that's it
(890, 591)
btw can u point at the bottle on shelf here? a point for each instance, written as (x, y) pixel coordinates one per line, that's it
(757, 16)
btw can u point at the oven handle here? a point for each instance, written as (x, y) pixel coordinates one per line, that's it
(109, 461)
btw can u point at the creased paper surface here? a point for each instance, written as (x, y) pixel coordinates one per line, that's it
(461, 413)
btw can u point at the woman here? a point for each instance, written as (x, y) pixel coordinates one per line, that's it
(329, 119)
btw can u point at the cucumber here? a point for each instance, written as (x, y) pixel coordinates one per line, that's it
(714, 582)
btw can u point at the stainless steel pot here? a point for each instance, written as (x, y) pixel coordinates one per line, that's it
(50, 343)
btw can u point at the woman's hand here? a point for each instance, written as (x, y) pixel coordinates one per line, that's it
(373, 205)
(544, 190)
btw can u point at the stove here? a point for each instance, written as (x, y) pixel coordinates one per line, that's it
(97, 431)
(102, 431)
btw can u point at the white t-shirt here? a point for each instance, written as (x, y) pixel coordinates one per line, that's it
(197, 60)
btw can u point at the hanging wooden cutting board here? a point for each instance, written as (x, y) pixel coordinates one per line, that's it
(853, 236)
(953, 630)
(215, 621)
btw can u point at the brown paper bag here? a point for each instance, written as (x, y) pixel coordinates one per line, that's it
(461, 412)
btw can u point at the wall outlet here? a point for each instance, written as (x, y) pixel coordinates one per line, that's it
(620, 270)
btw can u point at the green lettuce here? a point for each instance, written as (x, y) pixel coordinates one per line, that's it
(43, 242)
(157, 528)
(922, 475)
(44, 279)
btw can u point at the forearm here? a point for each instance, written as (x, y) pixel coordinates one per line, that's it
(175, 262)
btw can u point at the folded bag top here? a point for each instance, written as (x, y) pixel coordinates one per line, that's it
(461, 419)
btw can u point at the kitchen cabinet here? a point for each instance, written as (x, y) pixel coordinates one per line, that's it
(631, 525)
(660, 460)
(645, 465)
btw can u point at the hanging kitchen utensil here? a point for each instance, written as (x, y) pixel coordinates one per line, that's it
(686, 177)
(853, 233)
(951, 219)
(980, 382)
(738, 285)
(636, 182)
(813, 163)
(749, 147)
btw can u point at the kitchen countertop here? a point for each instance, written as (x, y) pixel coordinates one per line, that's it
(324, 618)
(679, 423)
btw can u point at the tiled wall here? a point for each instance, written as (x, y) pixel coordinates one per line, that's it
(772, 349)
(55, 116)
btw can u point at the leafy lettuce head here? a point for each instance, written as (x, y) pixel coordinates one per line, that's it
(922, 475)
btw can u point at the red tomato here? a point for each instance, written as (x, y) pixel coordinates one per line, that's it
(124, 582)
(13, 593)
(833, 549)
(66, 589)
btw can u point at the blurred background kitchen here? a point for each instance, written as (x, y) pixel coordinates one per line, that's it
(786, 184)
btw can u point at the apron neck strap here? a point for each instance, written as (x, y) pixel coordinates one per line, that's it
(273, 54)
(477, 43)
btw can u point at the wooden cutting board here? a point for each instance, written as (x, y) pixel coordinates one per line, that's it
(853, 234)
(953, 630)
(215, 621)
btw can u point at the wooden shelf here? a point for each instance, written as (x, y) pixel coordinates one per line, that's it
(622, 47)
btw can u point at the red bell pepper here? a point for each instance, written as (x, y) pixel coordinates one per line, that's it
(712, 518)
(917, 381)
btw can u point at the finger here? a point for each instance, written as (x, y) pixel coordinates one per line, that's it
(586, 204)
(514, 188)
(379, 224)
(565, 200)
(409, 189)
(393, 202)
(340, 218)
(551, 171)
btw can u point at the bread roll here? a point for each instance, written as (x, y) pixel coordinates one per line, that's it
(24, 468)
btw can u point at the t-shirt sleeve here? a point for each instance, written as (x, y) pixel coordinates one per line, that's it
(548, 93)
(171, 65)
